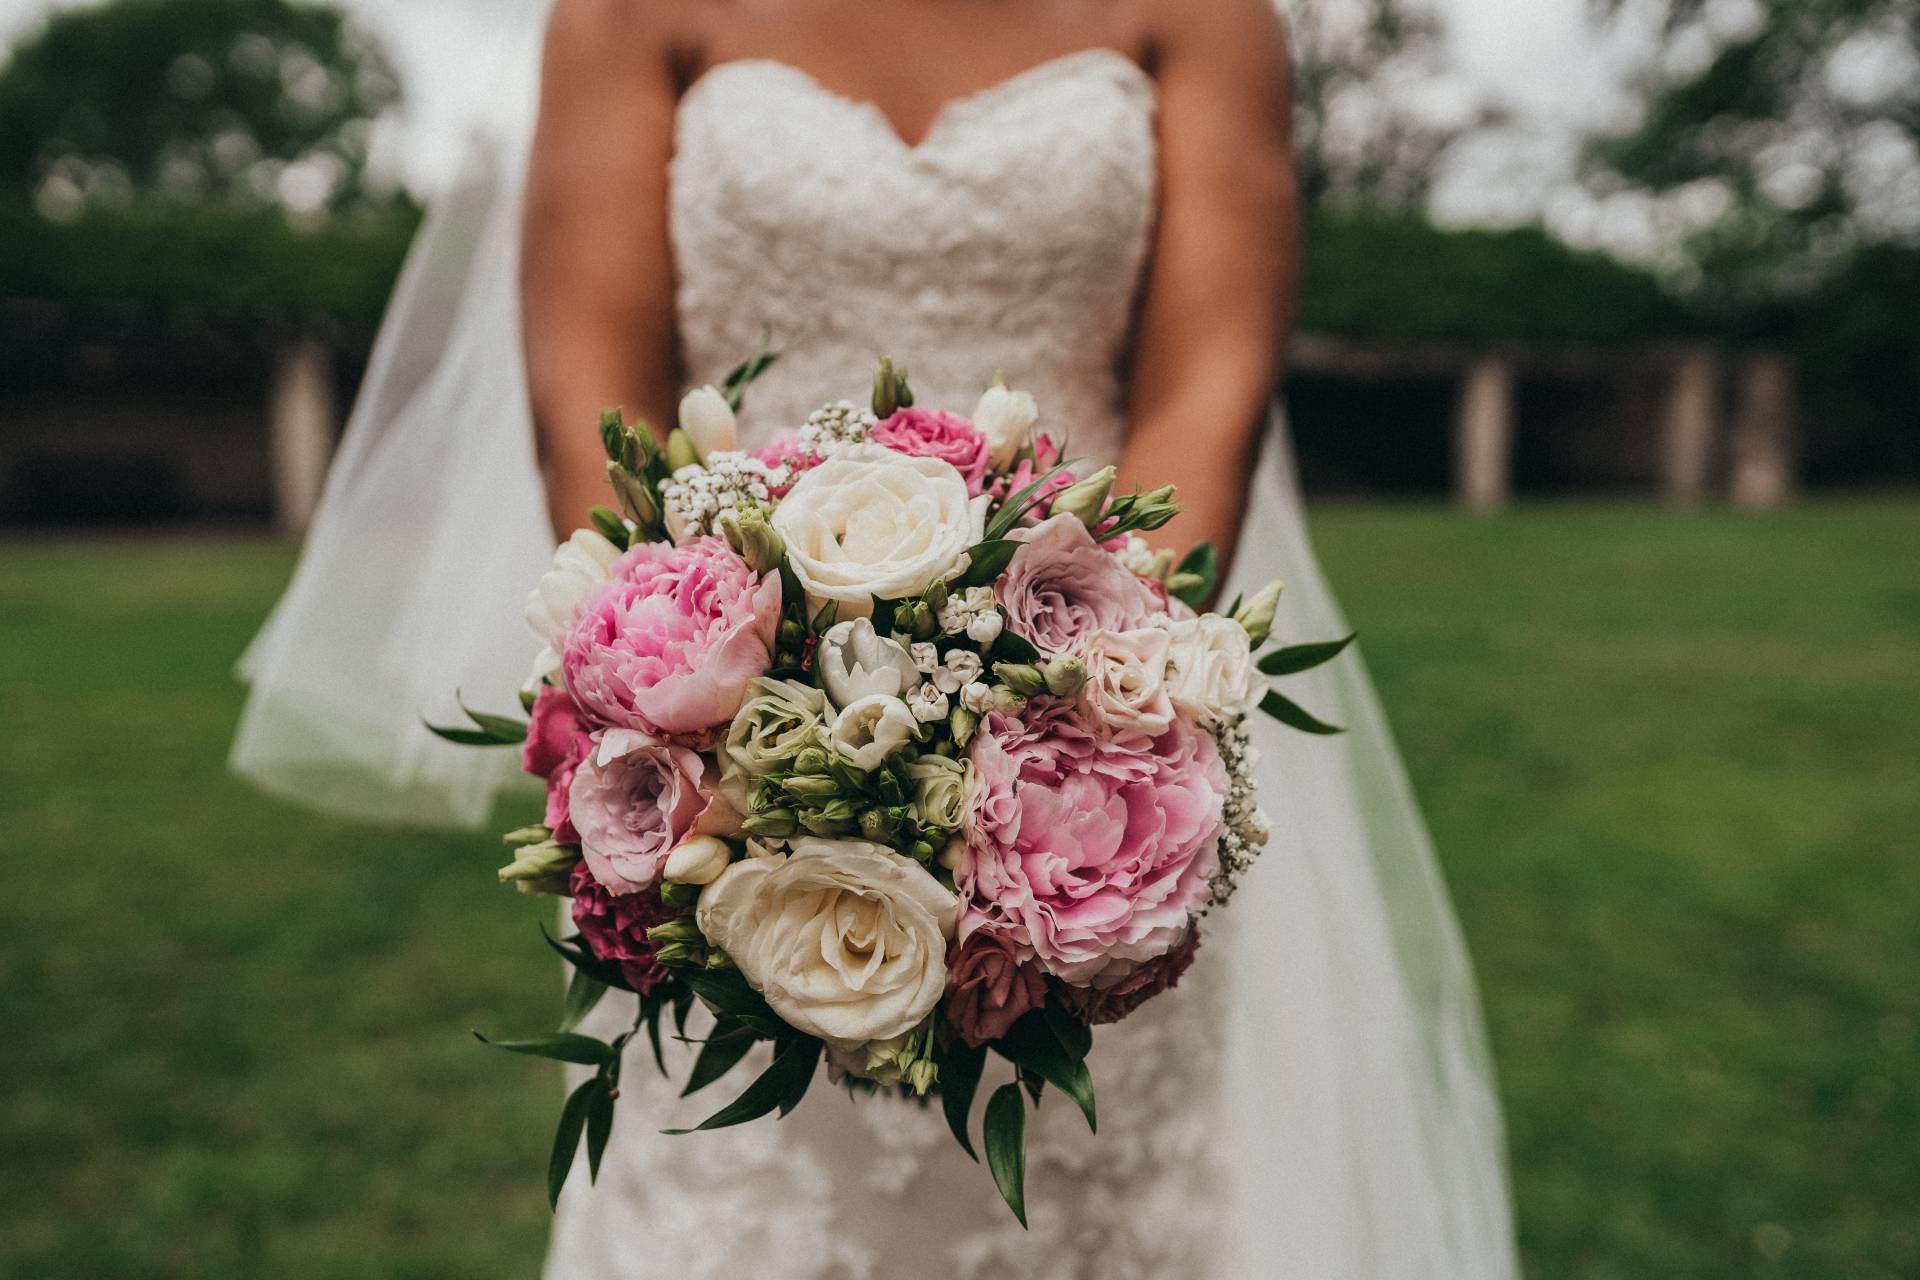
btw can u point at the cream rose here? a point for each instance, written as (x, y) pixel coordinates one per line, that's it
(1211, 674)
(846, 940)
(1126, 688)
(871, 522)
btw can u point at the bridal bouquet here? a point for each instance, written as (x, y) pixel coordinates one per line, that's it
(891, 743)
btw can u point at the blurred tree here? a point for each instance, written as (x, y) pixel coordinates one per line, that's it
(1370, 125)
(1795, 126)
(249, 103)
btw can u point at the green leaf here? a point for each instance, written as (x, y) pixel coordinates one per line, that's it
(960, 1068)
(574, 951)
(987, 561)
(718, 1056)
(794, 1060)
(1016, 505)
(1006, 1141)
(1204, 562)
(653, 1038)
(560, 1046)
(599, 1124)
(566, 1139)
(1294, 716)
(583, 993)
(1012, 648)
(800, 1079)
(1074, 1035)
(608, 524)
(883, 611)
(726, 992)
(1294, 659)
(503, 728)
(465, 737)
(742, 376)
(1032, 1045)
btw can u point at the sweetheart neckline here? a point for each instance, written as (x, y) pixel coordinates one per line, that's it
(948, 111)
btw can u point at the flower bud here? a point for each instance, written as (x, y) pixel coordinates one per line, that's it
(675, 953)
(679, 896)
(1180, 583)
(680, 451)
(1087, 499)
(1256, 615)
(1006, 701)
(921, 1076)
(681, 930)
(962, 723)
(527, 835)
(984, 628)
(890, 390)
(774, 824)
(540, 868)
(634, 496)
(812, 760)
(936, 595)
(811, 786)
(708, 421)
(1006, 418)
(1065, 676)
(751, 534)
(698, 860)
(1020, 678)
(874, 826)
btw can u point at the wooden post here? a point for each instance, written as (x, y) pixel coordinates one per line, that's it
(1761, 446)
(1483, 435)
(1689, 425)
(301, 423)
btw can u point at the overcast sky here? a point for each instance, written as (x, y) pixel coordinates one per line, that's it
(1539, 57)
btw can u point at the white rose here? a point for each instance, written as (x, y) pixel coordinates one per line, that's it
(580, 564)
(1211, 674)
(1126, 688)
(868, 731)
(871, 522)
(846, 940)
(708, 420)
(698, 860)
(855, 662)
(1006, 418)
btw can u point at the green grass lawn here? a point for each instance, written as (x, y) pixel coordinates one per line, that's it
(1672, 761)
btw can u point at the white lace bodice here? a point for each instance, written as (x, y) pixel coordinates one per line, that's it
(1011, 237)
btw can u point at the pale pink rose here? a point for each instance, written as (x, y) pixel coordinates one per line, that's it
(785, 450)
(929, 433)
(1103, 1005)
(1094, 853)
(557, 741)
(1126, 688)
(632, 801)
(989, 983)
(668, 646)
(1060, 588)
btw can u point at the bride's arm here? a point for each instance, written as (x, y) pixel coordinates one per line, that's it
(596, 271)
(1218, 304)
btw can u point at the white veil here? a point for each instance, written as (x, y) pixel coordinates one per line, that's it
(1354, 984)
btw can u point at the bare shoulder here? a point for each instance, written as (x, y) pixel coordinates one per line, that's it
(1243, 37)
(592, 34)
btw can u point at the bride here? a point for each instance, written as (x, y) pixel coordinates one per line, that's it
(1094, 196)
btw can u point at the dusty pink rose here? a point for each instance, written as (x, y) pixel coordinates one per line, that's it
(1099, 1006)
(615, 928)
(557, 741)
(989, 984)
(1126, 688)
(1092, 852)
(1060, 588)
(668, 646)
(632, 800)
(929, 433)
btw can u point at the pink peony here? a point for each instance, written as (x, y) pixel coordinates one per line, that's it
(633, 800)
(557, 741)
(668, 646)
(615, 928)
(929, 433)
(1060, 588)
(1149, 980)
(989, 983)
(1095, 853)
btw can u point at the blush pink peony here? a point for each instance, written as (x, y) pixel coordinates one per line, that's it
(615, 928)
(929, 433)
(557, 741)
(1093, 853)
(990, 985)
(1061, 587)
(668, 646)
(633, 800)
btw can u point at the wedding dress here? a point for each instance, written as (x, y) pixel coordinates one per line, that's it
(1315, 1101)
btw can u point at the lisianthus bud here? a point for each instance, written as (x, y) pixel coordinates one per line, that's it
(812, 786)
(698, 860)
(962, 723)
(1065, 676)
(540, 868)
(708, 421)
(1179, 583)
(748, 532)
(1006, 418)
(680, 930)
(774, 824)
(1021, 678)
(634, 496)
(1256, 615)
(812, 760)
(680, 451)
(1087, 499)
(1006, 701)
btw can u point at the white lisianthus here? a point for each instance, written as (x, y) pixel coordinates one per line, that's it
(580, 564)
(1126, 688)
(866, 732)
(708, 420)
(846, 940)
(855, 662)
(1211, 674)
(928, 703)
(871, 522)
(1006, 418)
(698, 860)
(961, 668)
